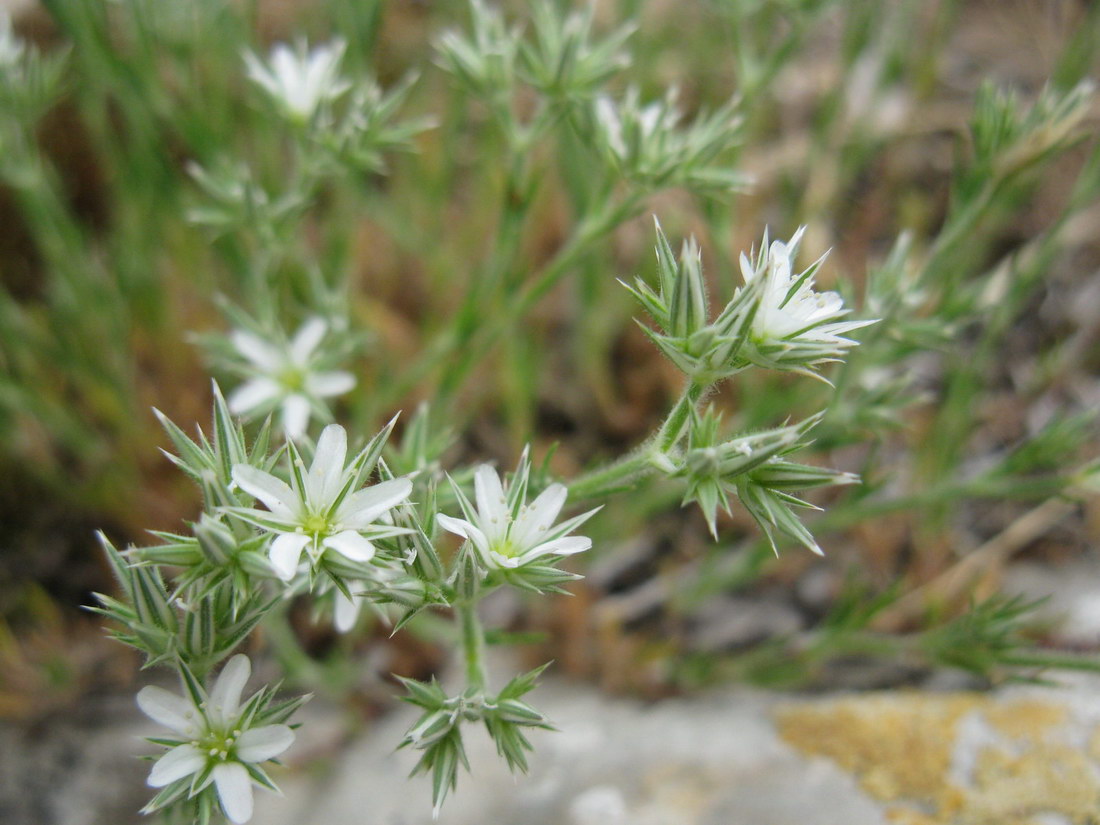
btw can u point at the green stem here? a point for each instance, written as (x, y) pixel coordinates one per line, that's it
(981, 488)
(603, 480)
(673, 426)
(960, 225)
(474, 345)
(473, 645)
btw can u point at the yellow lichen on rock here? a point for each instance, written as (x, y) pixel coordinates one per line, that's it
(1016, 755)
(1045, 778)
(1025, 719)
(899, 747)
(904, 815)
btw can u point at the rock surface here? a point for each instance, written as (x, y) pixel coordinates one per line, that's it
(1018, 756)
(709, 761)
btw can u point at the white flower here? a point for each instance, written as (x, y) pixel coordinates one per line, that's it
(630, 127)
(11, 47)
(284, 374)
(346, 611)
(300, 80)
(320, 509)
(793, 324)
(507, 532)
(215, 740)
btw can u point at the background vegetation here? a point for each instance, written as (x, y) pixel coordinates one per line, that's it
(944, 151)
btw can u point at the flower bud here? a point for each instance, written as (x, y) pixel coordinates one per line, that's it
(430, 729)
(520, 713)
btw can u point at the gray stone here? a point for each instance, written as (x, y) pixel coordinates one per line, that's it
(703, 761)
(1075, 613)
(81, 770)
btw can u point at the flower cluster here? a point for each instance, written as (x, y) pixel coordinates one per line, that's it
(754, 467)
(776, 320)
(649, 143)
(312, 520)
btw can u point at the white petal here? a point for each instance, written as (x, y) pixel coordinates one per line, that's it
(258, 72)
(234, 790)
(327, 469)
(225, 697)
(273, 492)
(362, 508)
(285, 553)
(461, 527)
(267, 742)
(346, 611)
(284, 62)
(296, 412)
(314, 76)
(458, 526)
(541, 513)
(748, 271)
(480, 540)
(181, 761)
(260, 352)
(168, 709)
(325, 384)
(500, 560)
(307, 338)
(491, 503)
(253, 394)
(351, 545)
(566, 546)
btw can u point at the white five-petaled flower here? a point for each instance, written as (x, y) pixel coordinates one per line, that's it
(215, 739)
(299, 79)
(789, 306)
(506, 531)
(322, 510)
(283, 374)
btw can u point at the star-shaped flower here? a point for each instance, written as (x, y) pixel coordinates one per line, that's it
(322, 509)
(298, 79)
(794, 326)
(216, 739)
(505, 530)
(285, 374)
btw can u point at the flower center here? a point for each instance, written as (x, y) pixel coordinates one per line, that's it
(293, 379)
(506, 547)
(218, 745)
(316, 525)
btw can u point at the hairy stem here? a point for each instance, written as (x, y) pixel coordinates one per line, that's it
(473, 645)
(606, 479)
(673, 426)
